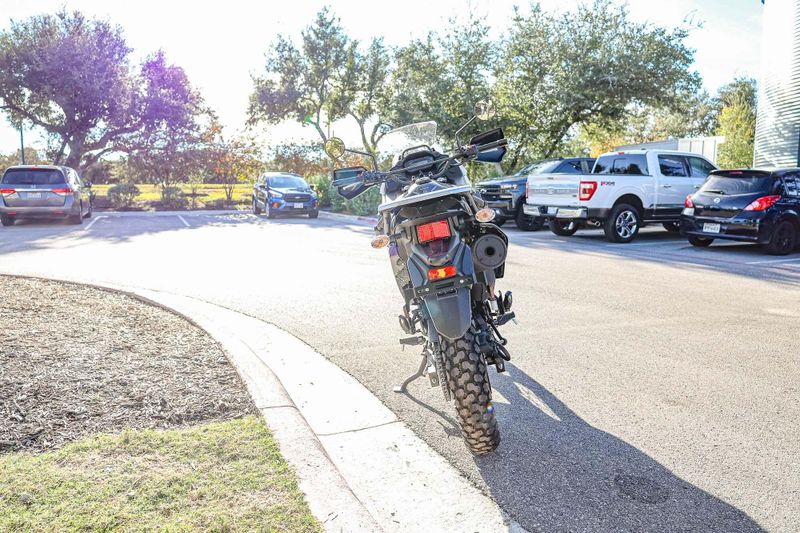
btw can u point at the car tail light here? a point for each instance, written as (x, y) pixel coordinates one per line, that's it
(688, 202)
(433, 231)
(7, 192)
(441, 273)
(765, 202)
(587, 190)
(62, 192)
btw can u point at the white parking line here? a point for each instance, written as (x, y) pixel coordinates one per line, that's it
(770, 261)
(90, 224)
(184, 221)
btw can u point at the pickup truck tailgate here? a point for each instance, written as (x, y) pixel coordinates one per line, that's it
(554, 190)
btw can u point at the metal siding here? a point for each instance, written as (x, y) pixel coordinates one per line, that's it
(777, 141)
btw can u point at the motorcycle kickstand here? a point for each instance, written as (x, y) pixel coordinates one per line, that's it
(418, 374)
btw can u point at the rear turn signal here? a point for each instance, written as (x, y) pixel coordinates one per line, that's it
(380, 241)
(441, 273)
(485, 215)
(763, 203)
(587, 190)
(688, 202)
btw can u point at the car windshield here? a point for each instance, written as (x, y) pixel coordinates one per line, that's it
(287, 182)
(539, 167)
(737, 184)
(35, 176)
(401, 139)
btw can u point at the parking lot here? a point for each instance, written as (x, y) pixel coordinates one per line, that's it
(653, 385)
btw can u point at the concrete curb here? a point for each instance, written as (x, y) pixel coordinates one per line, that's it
(360, 467)
(365, 221)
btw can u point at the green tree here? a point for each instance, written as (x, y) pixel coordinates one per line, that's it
(737, 122)
(366, 78)
(592, 65)
(71, 76)
(307, 84)
(441, 77)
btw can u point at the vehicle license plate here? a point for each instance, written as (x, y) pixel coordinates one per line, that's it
(710, 228)
(33, 196)
(298, 206)
(569, 213)
(552, 210)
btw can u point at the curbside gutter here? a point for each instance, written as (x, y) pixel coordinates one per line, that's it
(355, 219)
(360, 467)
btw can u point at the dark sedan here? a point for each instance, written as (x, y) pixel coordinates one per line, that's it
(751, 205)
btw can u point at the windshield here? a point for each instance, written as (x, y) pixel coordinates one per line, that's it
(401, 139)
(24, 176)
(539, 167)
(287, 182)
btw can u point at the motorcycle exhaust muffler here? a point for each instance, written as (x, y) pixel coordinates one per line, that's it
(488, 252)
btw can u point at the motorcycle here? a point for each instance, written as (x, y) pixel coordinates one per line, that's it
(446, 256)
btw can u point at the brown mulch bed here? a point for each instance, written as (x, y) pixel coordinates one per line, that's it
(78, 360)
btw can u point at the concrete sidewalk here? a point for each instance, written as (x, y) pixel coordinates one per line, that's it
(360, 467)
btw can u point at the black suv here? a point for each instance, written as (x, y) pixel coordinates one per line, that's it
(761, 206)
(507, 195)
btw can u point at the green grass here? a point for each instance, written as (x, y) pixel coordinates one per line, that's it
(226, 476)
(210, 192)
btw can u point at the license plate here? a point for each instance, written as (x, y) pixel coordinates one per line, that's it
(710, 228)
(33, 196)
(298, 206)
(552, 210)
(569, 213)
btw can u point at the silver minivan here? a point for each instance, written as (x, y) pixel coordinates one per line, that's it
(43, 191)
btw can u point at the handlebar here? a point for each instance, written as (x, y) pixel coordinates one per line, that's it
(465, 154)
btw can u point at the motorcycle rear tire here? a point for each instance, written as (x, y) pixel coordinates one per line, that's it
(469, 384)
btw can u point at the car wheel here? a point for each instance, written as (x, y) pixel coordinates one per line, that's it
(783, 240)
(256, 209)
(313, 214)
(563, 228)
(700, 242)
(7, 220)
(623, 224)
(76, 219)
(527, 222)
(672, 227)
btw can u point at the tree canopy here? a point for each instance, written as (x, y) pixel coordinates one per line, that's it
(71, 76)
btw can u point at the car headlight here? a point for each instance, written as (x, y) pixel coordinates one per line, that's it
(276, 194)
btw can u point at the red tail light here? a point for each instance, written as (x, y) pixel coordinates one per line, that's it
(527, 189)
(7, 192)
(587, 190)
(441, 273)
(688, 202)
(62, 192)
(765, 202)
(433, 231)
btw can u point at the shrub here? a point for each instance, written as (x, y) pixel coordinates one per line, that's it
(173, 198)
(123, 195)
(322, 186)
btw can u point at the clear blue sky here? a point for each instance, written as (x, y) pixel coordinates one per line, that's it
(220, 45)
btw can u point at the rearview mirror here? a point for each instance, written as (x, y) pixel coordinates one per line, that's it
(348, 181)
(334, 147)
(485, 110)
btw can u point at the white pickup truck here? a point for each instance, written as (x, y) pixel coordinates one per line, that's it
(624, 191)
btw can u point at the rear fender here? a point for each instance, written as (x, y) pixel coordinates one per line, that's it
(447, 301)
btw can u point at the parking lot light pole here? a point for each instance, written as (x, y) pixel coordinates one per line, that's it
(21, 144)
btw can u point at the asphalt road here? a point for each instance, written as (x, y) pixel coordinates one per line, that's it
(653, 386)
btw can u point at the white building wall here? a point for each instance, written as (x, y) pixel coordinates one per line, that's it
(777, 141)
